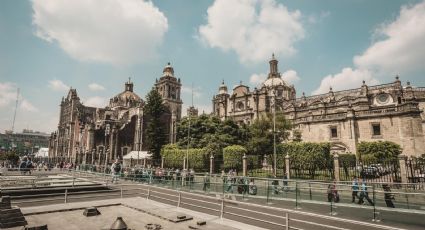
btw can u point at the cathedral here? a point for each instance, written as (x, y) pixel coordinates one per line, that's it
(98, 135)
(391, 112)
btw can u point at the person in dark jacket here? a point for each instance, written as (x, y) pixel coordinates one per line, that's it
(388, 196)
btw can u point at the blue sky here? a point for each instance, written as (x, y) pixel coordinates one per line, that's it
(94, 46)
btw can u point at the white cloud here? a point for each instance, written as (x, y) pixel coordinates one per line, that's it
(253, 29)
(257, 79)
(290, 76)
(402, 50)
(347, 79)
(27, 106)
(96, 87)
(108, 31)
(197, 91)
(58, 85)
(96, 101)
(7, 93)
(313, 19)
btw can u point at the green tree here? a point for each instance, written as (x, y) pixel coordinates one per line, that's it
(155, 131)
(261, 133)
(210, 132)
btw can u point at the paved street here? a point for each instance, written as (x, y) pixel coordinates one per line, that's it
(410, 221)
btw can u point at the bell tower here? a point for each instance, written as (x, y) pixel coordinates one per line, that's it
(169, 87)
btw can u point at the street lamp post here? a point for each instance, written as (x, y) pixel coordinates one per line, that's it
(274, 134)
(107, 130)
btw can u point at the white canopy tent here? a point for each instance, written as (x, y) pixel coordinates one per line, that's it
(42, 152)
(135, 157)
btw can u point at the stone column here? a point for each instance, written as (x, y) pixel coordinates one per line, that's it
(244, 165)
(287, 166)
(184, 162)
(211, 164)
(162, 162)
(336, 166)
(403, 171)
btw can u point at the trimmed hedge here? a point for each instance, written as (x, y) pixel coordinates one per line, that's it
(232, 156)
(303, 155)
(378, 151)
(173, 157)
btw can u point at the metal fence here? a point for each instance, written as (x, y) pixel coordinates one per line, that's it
(180, 191)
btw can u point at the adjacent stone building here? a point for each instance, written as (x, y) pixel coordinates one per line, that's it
(85, 133)
(390, 112)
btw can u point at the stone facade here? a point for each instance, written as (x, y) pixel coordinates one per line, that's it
(390, 112)
(85, 133)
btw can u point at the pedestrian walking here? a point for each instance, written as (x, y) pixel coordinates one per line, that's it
(388, 196)
(275, 184)
(23, 166)
(29, 165)
(252, 188)
(364, 193)
(333, 193)
(115, 170)
(355, 190)
(206, 182)
(285, 182)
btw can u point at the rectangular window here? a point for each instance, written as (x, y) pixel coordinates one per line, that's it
(376, 129)
(334, 132)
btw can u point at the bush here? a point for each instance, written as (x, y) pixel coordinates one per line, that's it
(232, 156)
(378, 151)
(173, 157)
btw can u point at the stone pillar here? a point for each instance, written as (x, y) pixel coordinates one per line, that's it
(162, 162)
(211, 164)
(244, 165)
(184, 162)
(287, 166)
(336, 166)
(403, 172)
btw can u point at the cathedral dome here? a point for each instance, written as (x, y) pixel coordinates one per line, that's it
(168, 71)
(275, 81)
(127, 98)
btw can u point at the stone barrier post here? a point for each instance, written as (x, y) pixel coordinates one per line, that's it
(244, 165)
(403, 172)
(287, 166)
(162, 162)
(336, 166)
(211, 164)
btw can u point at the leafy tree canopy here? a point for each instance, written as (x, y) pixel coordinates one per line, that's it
(210, 132)
(261, 130)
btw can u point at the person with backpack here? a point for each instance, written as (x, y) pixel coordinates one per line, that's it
(115, 170)
(23, 166)
(29, 165)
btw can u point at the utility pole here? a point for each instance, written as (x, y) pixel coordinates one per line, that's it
(188, 135)
(16, 108)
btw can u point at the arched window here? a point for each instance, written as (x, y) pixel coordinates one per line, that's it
(240, 105)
